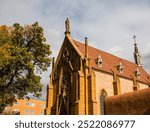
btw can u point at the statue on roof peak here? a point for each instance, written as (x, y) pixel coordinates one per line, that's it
(67, 26)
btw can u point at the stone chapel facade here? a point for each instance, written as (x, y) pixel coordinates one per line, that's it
(83, 76)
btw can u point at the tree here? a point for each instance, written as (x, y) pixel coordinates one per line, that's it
(23, 50)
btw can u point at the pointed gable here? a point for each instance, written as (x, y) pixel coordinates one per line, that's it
(109, 61)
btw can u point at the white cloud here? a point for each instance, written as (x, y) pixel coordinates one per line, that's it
(116, 50)
(146, 57)
(109, 25)
(146, 50)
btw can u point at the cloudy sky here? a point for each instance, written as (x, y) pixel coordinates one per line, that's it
(108, 24)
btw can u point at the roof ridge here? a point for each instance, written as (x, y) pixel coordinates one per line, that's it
(106, 52)
(112, 60)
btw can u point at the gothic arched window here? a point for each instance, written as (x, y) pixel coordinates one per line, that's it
(102, 101)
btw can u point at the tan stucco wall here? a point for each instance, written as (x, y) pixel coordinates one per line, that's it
(126, 85)
(143, 86)
(105, 81)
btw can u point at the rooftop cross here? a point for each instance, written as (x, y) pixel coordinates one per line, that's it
(134, 37)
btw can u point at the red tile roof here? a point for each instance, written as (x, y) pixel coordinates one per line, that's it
(109, 61)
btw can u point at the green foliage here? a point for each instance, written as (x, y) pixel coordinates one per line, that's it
(22, 51)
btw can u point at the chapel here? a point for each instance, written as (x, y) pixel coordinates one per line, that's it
(84, 77)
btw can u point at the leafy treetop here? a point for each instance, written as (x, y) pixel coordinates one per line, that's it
(23, 49)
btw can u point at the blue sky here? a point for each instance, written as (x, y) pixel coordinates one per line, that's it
(108, 24)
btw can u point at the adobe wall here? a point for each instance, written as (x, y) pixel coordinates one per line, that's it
(27, 107)
(132, 103)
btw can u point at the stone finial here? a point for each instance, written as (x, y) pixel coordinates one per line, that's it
(53, 63)
(137, 73)
(99, 60)
(86, 47)
(120, 67)
(137, 55)
(67, 26)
